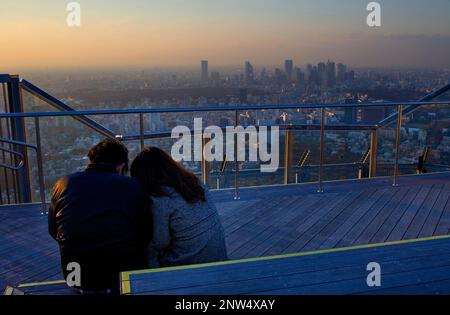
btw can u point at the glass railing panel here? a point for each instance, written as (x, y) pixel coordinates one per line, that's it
(161, 126)
(307, 146)
(386, 151)
(425, 145)
(348, 140)
(269, 171)
(64, 144)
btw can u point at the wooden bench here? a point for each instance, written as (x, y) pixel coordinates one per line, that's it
(419, 266)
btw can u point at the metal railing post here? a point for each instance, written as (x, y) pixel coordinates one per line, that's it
(5, 170)
(18, 133)
(373, 153)
(397, 144)
(8, 133)
(40, 165)
(288, 145)
(206, 165)
(236, 163)
(141, 130)
(322, 144)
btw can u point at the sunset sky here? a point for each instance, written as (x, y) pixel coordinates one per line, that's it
(34, 34)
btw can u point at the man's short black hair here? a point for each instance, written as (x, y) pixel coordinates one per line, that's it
(109, 151)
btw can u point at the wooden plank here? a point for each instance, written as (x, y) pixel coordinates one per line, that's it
(259, 226)
(270, 223)
(443, 226)
(432, 220)
(283, 227)
(249, 214)
(385, 221)
(364, 223)
(315, 226)
(292, 234)
(423, 213)
(400, 228)
(342, 226)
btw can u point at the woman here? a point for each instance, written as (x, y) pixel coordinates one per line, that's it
(186, 224)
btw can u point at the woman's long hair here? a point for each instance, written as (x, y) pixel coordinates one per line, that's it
(154, 168)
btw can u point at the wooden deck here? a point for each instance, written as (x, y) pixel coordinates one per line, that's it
(267, 221)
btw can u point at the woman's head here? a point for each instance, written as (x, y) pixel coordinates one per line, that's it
(154, 168)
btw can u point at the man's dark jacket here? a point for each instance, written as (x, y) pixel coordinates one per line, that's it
(102, 221)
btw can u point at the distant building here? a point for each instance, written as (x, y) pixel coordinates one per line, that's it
(350, 76)
(299, 76)
(331, 74)
(309, 70)
(341, 70)
(279, 76)
(205, 73)
(300, 80)
(249, 73)
(289, 69)
(322, 74)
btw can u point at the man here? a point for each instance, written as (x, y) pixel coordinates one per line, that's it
(101, 220)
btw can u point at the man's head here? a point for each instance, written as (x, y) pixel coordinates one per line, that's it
(110, 151)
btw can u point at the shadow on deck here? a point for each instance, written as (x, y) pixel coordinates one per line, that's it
(266, 221)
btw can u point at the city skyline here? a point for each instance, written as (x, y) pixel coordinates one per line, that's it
(163, 33)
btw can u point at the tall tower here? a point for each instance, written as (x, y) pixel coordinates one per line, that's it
(341, 70)
(289, 69)
(322, 74)
(205, 73)
(331, 73)
(249, 74)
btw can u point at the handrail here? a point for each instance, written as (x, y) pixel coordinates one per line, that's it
(167, 134)
(49, 99)
(20, 143)
(212, 108)
(37, 149)
(20, 155)
(408, 110)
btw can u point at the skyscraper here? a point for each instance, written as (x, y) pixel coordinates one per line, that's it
(331, 73)
(310, 75)
(322, 74)
(289, 69)
(249, 75)
(299, 76)
(341, 69)
(205, 73)
(299, 80)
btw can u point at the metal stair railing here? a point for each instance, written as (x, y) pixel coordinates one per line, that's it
(22, 164)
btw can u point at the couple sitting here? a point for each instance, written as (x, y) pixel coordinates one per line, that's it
(107, 222)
